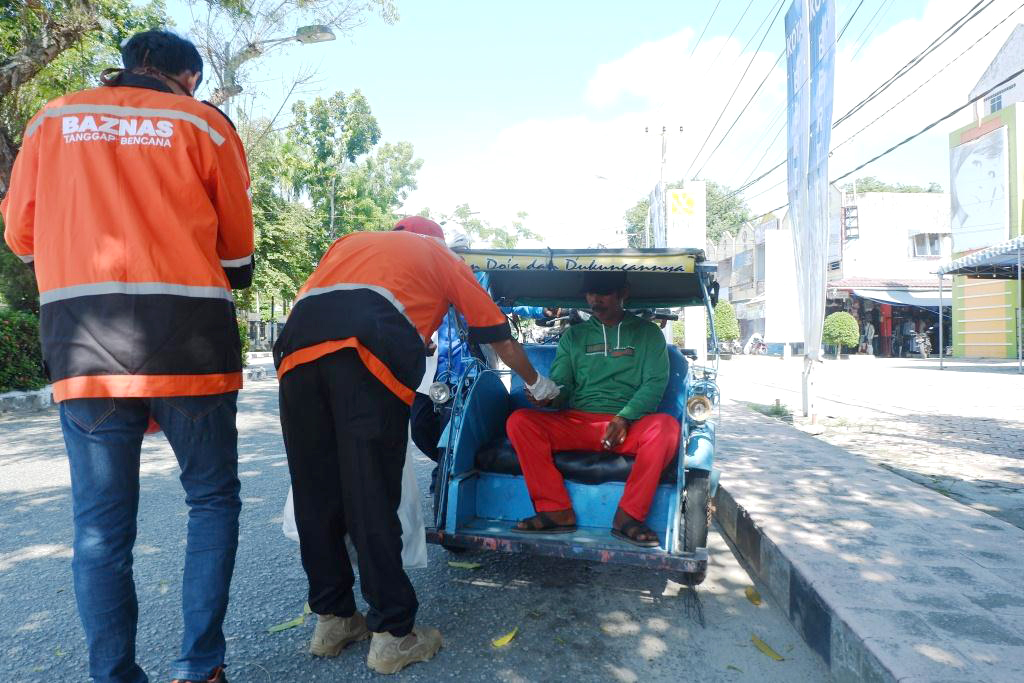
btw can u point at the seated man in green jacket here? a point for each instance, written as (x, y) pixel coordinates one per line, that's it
(613, 370)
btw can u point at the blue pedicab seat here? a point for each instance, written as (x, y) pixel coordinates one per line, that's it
(586, 467)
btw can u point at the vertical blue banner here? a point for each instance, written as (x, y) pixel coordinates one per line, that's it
(810, 43)
(798, 100)
(822, 23)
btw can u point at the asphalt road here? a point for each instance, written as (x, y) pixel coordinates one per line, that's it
(576, 620)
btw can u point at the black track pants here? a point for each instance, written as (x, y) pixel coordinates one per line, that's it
(345, 435)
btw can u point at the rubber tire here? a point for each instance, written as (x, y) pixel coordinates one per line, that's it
(696, 518)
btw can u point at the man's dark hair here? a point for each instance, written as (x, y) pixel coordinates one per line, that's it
(163, 51)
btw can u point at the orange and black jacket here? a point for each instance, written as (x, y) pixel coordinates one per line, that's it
(383, 294)
(132, 204)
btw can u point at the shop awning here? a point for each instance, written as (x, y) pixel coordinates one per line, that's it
(999, 261)
(901, 297)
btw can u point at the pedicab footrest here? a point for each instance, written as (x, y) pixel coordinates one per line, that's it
(592, 544)
(585, 467)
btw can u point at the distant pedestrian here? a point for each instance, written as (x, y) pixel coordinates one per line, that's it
(131, 201)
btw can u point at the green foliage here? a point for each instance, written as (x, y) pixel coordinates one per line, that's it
(841, 330)
(243, 335)
(21, 359)
(24, 21)
(724, 212)
(17, 282)
(479, 230)
(726, 326)
(873, 184)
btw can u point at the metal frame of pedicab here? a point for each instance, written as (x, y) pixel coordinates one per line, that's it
(456, 490)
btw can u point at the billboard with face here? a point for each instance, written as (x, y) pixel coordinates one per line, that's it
(979, 175)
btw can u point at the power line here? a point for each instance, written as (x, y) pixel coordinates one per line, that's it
(906, 68)
(916, 135)
(697, 44)
(886, 5)
(731, 33)
(736, 89)
(742, 111)
(930, 79)
(842, 32)
(935, 44)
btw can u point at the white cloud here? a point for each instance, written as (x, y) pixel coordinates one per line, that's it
(576, 176)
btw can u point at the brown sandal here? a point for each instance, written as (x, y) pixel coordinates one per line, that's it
(637, 533)
(542, 523)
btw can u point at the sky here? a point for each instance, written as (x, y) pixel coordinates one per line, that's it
(542, 106)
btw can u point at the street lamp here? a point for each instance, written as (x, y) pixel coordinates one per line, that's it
(316, 33)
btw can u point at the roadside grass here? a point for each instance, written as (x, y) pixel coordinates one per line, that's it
(778, 410)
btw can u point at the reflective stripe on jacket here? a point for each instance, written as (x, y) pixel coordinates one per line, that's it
(383, 294)
(132, 204)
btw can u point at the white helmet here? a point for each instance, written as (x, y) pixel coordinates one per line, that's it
(459, 240)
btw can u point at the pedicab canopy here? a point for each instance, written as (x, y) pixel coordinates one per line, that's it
(658, 278)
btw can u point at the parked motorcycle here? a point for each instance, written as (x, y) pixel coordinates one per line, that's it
(755, 346)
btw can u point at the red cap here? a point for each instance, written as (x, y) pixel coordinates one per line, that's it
(420, 226)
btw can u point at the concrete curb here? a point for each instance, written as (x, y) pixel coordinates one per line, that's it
(26, 401)
(845, 653)
(34, 401)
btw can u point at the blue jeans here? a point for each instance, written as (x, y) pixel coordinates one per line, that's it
(104, 439)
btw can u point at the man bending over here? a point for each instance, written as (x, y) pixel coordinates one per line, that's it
(613, 370)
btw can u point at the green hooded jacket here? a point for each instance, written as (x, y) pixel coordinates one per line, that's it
(620, 369)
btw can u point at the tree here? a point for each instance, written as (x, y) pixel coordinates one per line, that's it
(873, 184)
(725, 211)
(233, 34)
(498, 237)
(726, 326)
(841, 330)
(46, 50)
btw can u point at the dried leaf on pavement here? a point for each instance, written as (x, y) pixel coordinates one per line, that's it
(753, 596)
(464, 565)
(505, 639)
(734, 668)
(765, 648)
(297, 621)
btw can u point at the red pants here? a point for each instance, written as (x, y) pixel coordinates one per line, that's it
(537, 435)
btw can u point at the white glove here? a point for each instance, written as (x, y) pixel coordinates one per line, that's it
(544, 389)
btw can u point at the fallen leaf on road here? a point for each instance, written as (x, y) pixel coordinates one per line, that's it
(306, 609)
(505, 639)
(765, 648)
(464, 565)
(753, 596)
(297, 621)
(734, 668)
(58, 652)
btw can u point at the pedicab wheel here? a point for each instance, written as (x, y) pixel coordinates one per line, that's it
(696, 518)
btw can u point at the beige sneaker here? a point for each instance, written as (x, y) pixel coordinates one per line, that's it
(389, 655)
(333, 634)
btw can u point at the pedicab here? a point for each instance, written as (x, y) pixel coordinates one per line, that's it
(481, 492)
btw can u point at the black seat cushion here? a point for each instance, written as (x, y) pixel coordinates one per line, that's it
(585, 467)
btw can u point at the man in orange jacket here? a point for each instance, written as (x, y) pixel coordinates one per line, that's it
(350, 359)
(131, 202)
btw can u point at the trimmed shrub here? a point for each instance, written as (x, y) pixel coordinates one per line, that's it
(21, 358)
(840, 330)
(726, 327)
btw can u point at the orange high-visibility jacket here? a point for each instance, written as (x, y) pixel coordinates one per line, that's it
(132, 204)
(383, 294)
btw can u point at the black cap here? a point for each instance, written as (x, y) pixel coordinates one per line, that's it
(604, 282)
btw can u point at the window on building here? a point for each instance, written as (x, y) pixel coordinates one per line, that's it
(927, 244)
(995, 103)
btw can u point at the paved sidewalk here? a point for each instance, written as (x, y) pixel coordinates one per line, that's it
(959, 431)
(886, 580)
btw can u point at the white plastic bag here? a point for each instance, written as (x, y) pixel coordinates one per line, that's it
(410, 514)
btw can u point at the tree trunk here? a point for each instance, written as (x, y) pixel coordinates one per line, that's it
(26, 63)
